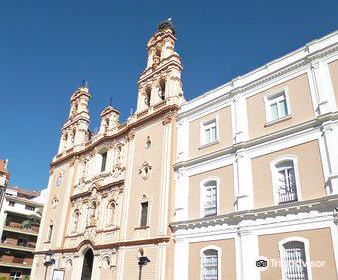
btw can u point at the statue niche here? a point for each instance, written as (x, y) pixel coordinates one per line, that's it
(92, 214)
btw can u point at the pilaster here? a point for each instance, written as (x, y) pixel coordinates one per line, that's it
(247, 254)
(181, 260)
(243, 182)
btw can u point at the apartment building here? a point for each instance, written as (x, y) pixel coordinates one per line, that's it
(18, 240)
(256, 173)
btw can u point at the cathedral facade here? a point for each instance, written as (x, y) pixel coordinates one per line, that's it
(240, 183)
(110, 194)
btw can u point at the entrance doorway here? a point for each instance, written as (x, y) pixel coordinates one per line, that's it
(87, 265)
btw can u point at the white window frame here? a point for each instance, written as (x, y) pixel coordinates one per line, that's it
(203, 126)
(267, 102)
(307, 253)
(274, 176)
(219, 262)
(203, 194)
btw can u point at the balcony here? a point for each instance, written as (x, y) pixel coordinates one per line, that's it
(287, 193)
(26, 247)
(18, 228)
(16, 262)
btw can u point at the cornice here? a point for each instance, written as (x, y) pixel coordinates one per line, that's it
(115, 245)
(165, 63)
(126, 128)
(235, 87)
(313, 123)
(25, 201)
(118, 184)
(325, 204)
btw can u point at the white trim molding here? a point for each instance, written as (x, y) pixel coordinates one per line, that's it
(204, 126)
(277, 96)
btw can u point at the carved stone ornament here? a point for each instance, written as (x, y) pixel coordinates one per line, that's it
(117, 171)
(167, 120)
(55, 202)
(144, 170)
(148, 143)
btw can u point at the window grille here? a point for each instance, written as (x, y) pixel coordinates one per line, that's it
(210, 265)
(294, 261)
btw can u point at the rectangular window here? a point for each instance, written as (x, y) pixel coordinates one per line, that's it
(277, 106)
(11, 203)
(30, 208)
(209, 132)
(104, 161)
(50, 232)
(144, 214)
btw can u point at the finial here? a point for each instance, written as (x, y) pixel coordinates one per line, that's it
(166, 24)
(131, 111)
(84, 83)
(110, 101)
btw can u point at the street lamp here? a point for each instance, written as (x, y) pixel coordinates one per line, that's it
(142, 261)
(48, 261)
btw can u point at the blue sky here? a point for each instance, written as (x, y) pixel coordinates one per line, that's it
(47, 47)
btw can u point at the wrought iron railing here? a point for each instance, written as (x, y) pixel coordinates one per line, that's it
(287, 193)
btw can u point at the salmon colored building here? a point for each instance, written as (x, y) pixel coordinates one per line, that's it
(111, 194)
(257, 173)
(201, 188)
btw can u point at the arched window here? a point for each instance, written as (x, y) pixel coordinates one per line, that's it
(147, 96)
(65, 140)
(209, 197)
(294, 255)
(161, 92)
(285, 180)
(210, 263)
(73, 135)
(158, 52)
(106, 125)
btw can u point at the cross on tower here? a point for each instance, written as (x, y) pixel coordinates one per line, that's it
(110, 101)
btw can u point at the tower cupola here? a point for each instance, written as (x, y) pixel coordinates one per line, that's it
(76, 128)
(161, 80)
(109, 120)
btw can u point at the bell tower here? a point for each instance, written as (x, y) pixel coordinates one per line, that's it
(76, 128)
(161, 80)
